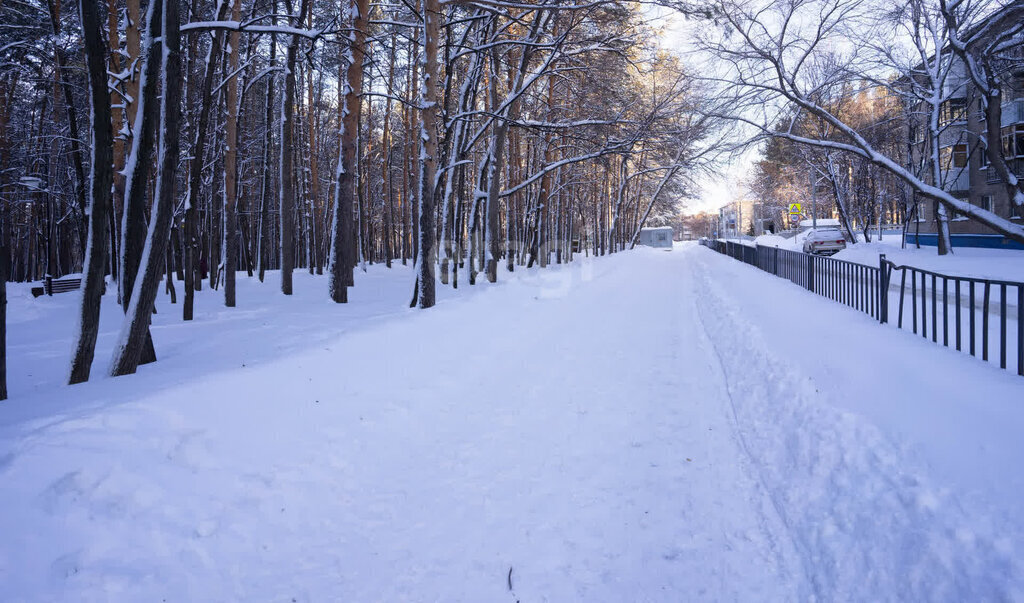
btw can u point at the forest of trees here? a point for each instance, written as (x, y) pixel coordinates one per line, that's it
(165, 145)
(862, 194)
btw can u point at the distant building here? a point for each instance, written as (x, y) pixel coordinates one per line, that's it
(656, 237)
(737, 219)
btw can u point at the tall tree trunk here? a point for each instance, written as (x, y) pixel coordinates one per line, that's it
(286, 176)
(231, 165)
(342, 260)
(193, 275)
(263, 236)
(101, 179)
(452, 201)
(543, 216)
(428, 154)
(133, 219)
(314, 171)
(117, 123)
(5, 262)
(135, 326)
(387, 180)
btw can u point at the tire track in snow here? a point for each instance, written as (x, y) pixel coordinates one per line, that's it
(684, 332)
(722, 375)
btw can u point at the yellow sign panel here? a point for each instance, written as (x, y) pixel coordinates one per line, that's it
(794, 208)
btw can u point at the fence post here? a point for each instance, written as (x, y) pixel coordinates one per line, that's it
(775, 262)
(883, 290)
(810, 272)
(48, 284)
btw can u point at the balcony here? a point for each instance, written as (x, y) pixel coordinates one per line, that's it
(1015, 165)
(1012, 113)
(956, 180)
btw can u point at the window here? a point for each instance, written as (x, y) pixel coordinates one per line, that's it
(1013, 141)
(916, 133)
(952, 110)
(988, 203)
(953, 157)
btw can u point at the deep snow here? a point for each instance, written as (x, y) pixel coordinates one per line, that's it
(648, 426)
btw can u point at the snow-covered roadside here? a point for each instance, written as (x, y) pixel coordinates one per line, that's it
(838, 411)
(999, 264)
(647, 426)
(549, 427)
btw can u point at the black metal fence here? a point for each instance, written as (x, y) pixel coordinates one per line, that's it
(982, 317)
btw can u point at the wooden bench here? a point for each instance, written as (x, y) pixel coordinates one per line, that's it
(51, 286)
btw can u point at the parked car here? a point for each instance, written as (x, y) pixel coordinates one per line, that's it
(824, 241)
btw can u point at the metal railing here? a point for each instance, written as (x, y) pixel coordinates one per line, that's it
(963, 308)
(982, 317)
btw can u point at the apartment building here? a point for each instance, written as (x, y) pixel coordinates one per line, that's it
(737, 219)
(964, 169)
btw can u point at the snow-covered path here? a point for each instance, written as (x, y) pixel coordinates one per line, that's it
(618, 430)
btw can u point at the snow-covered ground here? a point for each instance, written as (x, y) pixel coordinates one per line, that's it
(647, 426)
(999, 264)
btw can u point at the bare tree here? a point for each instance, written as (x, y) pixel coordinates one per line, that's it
(133, 221)
(342, 260)
(100, 182)
(771, 60)
(230, 251)
(425, 259)
(134, 329)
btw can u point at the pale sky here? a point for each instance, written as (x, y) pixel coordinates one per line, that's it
(725, 187)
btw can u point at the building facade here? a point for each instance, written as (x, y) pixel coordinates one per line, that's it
(964, 168)
(737, 219)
